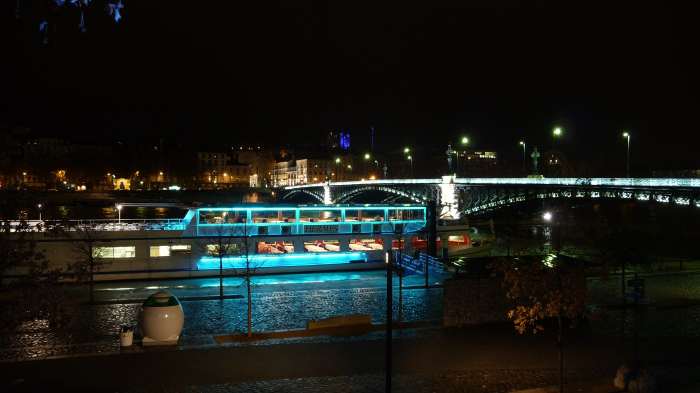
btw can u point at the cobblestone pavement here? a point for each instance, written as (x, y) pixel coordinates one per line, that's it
(481, 381)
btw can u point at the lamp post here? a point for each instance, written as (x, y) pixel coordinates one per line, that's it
(337, 168)
(627, 135)
(465, 142)
(406, 150)
(557, 132)
(38, 206)
(119, 212)
(522, 143)
(410, 159)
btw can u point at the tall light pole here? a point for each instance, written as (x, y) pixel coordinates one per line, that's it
(337, 168)
(119, 212)
(465, 142)
(410, 159)
(627, 135)
(522, 143)
(38, 206)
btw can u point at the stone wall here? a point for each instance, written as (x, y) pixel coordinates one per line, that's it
(473, 300)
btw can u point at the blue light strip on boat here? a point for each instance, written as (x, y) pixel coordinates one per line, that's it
(283, 260)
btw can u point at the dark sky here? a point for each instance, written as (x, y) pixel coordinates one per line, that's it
(497, 70)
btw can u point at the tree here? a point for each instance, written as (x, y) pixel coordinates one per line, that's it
(248, 271)
(224, 245)
(90, 258)
(34, 291)
(541, 288)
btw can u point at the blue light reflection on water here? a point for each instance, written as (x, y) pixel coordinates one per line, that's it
(284, 260)
(292, 279)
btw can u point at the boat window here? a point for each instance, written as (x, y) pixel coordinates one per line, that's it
(273, 216)
(114, 252)
(364, 215)
(319, 215)
(222, 217)
(406, 214)
(180, 249)
(159, 251)
(216, 250)
(322, 246)
(280, 247)
(373, 244)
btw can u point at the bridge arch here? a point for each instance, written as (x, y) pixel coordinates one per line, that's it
(481, 205)
(350, 194)
(315, 196)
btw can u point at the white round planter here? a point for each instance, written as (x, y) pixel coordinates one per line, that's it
(161, 319)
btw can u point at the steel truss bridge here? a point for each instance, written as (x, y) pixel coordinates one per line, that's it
(456, 196)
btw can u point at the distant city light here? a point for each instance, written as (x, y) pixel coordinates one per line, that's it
(547, 216)
(557, 131)
(465, 140)
(337, 160)
(406, 150)
(367, 156)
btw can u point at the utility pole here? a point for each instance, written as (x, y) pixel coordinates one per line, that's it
(389, 319)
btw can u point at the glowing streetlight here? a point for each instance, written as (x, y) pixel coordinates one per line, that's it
(337, 160)
(627, 135)
(119, 212)
(557, 132)
(410, 159)
(465, 140)
(547, 216)
(522, 143)
(39, 206)
(367, 156)
(406, 150)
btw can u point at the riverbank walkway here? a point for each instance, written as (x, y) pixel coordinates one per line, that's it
(493, 356)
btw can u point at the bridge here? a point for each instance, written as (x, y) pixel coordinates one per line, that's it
(456, 196)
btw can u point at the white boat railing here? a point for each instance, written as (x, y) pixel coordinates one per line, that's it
(109, 225)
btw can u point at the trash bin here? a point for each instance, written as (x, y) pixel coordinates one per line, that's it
(126, 336)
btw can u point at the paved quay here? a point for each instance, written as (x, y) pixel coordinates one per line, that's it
(443, 356)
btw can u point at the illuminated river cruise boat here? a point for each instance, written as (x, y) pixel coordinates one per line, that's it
(269, 239)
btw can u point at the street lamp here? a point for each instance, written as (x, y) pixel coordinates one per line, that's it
(119, 212)
(410, 159)
(406, 150)
(465, 140)
(38, 206)
(547, 216)
(557, 132)
(627, 135)
(337, 168)
(367, 156)
(522, 143)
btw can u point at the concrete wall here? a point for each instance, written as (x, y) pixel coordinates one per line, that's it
(472, 300)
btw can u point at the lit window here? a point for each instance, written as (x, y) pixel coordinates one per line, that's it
(181, 249)
(114, 252)
(322, 246)
(159, 251)
(225, 249)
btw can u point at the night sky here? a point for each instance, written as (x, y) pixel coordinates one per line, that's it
(421, 75)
